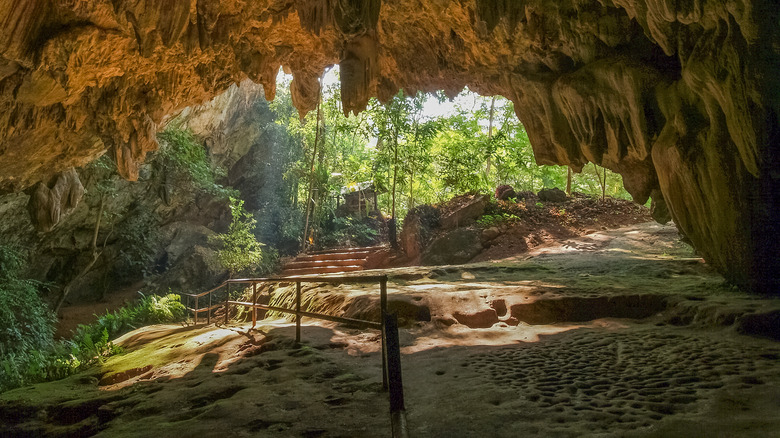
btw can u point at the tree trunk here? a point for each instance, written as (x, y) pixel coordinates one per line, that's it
(568, 182)
(309, 200)
(602, 181)
(411, 189)
(95, 256)
(490, 137)
(393, 232)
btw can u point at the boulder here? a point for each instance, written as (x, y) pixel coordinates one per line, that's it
(411, 236)
(465, 214)
(417, 230)
(658, 208)
(489, 234)
(526, 195)
(552, 195)
(456, 247)
(504, 192)
(195, 271)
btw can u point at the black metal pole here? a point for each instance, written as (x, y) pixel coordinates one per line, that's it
(227, 303)
(397, 408)
(254, 304)
(382, 317)
(298, 310)
(394, 364)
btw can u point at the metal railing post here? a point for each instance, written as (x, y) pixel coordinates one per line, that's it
(254, 304)
(298, 311)
(397, 414)
(382, 317)
(196, 310)
(227, 303)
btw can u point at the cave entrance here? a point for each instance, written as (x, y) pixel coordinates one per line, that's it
(359, 176)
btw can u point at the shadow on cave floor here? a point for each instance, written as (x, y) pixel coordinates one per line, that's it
(553, 345)
(608, 377)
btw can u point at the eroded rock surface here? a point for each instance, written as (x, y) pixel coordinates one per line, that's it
(679, 98)
(50, 202)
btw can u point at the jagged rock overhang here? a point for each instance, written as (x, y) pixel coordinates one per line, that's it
(680, 98)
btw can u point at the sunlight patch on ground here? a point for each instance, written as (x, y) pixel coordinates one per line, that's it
(173, 351)
(462, 336)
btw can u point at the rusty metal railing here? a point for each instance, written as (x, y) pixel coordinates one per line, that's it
(387, 324)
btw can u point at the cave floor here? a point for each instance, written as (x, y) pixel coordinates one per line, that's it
(618, 333)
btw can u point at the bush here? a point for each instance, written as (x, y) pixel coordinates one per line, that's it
(183, 155)
(90, 344)
(239, 249)
(349, 231)
(26, 323)
(139, 238)
(492, 220)
(429, 217)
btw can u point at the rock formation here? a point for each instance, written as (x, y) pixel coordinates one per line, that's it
(681, 98)
(50, 202)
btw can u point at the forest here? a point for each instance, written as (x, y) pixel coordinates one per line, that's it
(414, 150)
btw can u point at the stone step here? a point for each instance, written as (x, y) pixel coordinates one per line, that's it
(320, 270)
(333, 256)
(354, 249)
(298, 263)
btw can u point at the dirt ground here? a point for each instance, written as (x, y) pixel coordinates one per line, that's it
(538, 224)
(617, 333)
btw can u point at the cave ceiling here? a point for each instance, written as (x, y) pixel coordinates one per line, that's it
(679, 97)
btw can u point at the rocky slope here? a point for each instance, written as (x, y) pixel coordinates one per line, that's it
(681, 98)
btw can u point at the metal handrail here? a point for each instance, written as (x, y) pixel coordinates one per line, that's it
(391, 357)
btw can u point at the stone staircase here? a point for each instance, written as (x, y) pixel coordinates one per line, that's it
(332, 261)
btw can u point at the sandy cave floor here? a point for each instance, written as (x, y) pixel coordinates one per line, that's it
(618, 333)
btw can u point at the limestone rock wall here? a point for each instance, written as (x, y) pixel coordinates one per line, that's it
(155, 228)
(50, 202)
(681, 98)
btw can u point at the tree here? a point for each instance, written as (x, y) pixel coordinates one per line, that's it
(239, 248)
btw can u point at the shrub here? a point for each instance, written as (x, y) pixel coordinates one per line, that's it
(90, 343)
(183, 155)
(238, 248)
(26, 323)
(139, 238)
(492, 220)
(349, 231)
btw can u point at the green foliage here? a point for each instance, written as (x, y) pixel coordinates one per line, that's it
(238, 248)
(89, 345)
(492, 220)
(139, 237)
(26, 322)
(438, 157)
(269, 263)
(350, 231)
(183, 156)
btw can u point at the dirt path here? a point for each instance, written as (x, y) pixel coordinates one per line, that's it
(70, 316)
(619, 333)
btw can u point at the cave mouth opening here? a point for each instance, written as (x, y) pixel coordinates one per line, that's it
(446, 146)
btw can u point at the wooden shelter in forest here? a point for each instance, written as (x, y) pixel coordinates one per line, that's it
(360, 198)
